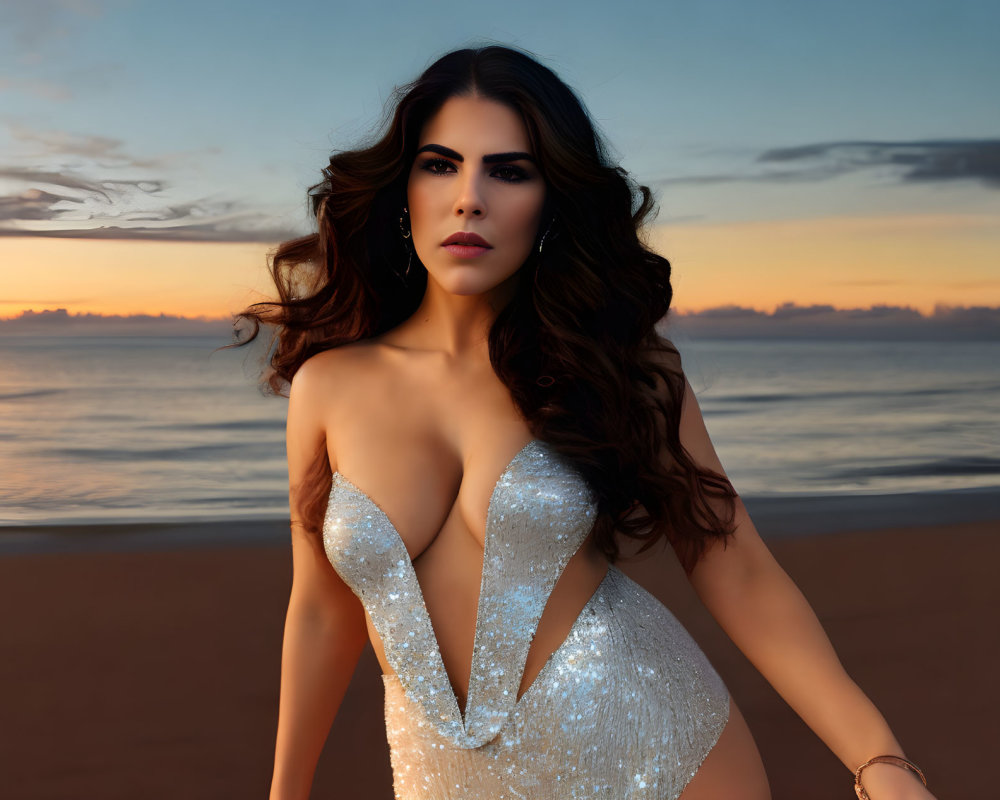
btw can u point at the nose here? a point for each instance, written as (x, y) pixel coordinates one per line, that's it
(470, 198)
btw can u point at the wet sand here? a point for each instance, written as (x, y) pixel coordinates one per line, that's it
(154, 672)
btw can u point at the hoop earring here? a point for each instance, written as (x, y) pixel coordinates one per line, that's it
(407, 233)
(548, 230)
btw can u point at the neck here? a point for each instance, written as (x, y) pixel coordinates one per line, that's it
(457, 325)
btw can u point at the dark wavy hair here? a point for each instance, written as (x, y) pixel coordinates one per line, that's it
(576, 345)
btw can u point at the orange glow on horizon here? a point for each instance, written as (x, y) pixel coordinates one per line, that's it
(918, 261)
(191, 279)
(847, 262)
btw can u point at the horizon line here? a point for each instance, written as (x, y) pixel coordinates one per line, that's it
(724, 309)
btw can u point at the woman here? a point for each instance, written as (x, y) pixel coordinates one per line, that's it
(477, 303)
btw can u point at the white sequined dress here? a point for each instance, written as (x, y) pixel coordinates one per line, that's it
(627, 707)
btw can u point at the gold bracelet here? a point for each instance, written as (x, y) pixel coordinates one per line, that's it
(897, 761)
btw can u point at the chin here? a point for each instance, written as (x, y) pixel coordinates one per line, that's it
(469, 283)
(469, 288)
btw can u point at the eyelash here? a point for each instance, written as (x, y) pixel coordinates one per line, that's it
(514, 174)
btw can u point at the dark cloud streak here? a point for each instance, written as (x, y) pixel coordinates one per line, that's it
(128, 201)
(33, 204)
(920, 161)
(124, 209)
(926, 161)
(788, 321)
(48, 178)
(207, 232)
(59, 322)
(879, 322)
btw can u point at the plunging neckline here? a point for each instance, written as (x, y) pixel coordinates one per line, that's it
(538, 517)
(489, 506)
(462, 711)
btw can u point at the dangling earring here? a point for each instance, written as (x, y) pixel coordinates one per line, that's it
(407, 234)
(541, 244)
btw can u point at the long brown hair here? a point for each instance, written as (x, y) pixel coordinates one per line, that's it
(576, 345)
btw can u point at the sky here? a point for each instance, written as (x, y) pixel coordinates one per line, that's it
(846, 155)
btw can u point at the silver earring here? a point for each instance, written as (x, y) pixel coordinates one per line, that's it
(407, 234)
(541, 244)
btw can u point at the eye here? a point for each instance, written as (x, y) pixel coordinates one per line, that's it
(437, 166)
(509, 173)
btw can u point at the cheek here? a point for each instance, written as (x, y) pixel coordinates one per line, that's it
(427, 208)
(420, 201)
(415, 202)
(529, 216)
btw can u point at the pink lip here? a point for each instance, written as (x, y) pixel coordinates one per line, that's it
(466, 239)
(466, 250)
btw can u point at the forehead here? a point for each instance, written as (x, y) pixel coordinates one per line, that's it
(474, 125)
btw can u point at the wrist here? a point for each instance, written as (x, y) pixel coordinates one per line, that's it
(889, 777)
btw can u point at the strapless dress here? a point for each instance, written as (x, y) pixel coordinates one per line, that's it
(626, 707)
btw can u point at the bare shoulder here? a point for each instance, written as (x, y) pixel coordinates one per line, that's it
(314, 397)
(330, 367)
(332, 392)
(327, 377)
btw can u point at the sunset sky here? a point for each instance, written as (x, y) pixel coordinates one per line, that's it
(847, 154)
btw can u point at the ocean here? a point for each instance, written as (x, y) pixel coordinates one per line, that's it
(115, 429)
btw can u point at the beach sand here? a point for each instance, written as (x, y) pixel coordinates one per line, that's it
(154, 674)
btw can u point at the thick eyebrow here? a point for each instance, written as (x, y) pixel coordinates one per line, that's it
(515, 156)
(494, 158)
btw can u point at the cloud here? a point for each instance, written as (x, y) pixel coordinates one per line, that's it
(241, 229)
(131, 199)
(48, 178)
(920, 161)
(76, 208)
(878, 322)
(59, 322)
(30, 204)
(107, 151)
(926, 161)
(64, 143)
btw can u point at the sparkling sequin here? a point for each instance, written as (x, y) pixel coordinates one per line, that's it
(626, 707)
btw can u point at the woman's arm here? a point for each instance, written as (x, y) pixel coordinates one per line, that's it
(762, 610)
(325, 624)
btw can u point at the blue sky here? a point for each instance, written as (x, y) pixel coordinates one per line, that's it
(227, 110)
(844, 154)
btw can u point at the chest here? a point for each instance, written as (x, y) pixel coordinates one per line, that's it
(539, 513)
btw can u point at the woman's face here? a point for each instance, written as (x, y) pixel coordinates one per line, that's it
(475, 195)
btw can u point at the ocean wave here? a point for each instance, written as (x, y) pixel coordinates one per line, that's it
(881, 394)
(32, 393)
(223, 425)
(253, 451)
(978, 465)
